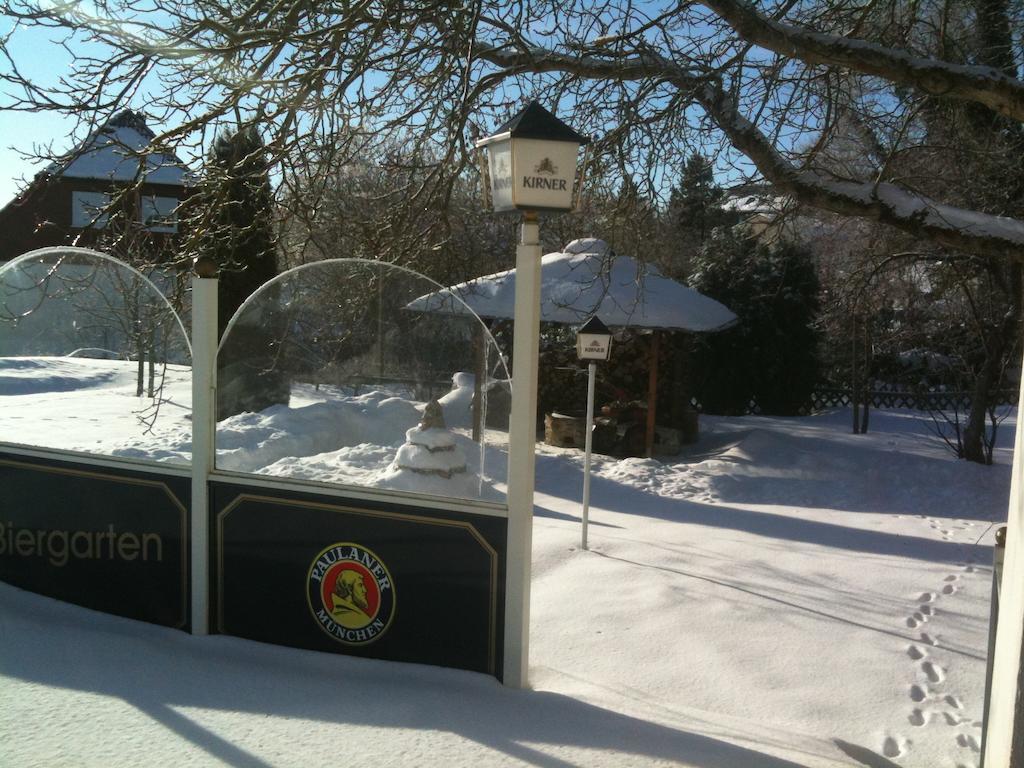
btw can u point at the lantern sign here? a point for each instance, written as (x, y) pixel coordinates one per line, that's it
(532, 162)
(593, 343)
(530, 166)
(593, 340)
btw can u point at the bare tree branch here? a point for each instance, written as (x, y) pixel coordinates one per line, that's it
(916, 214)
(325, 79)
(980, 84)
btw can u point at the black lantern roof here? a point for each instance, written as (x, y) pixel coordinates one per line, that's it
(595, 326)
(535, 122)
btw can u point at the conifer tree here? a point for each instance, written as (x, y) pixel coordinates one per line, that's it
(697, 201)
(234, 204)
(694, 211)
(241, 238)
(770, 356)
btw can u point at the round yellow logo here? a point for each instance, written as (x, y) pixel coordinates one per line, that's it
(350, 593)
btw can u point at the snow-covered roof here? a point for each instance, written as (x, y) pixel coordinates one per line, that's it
(111, 154)
(756, 203)
(586, 279)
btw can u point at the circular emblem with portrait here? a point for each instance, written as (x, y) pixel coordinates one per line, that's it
(350, 593)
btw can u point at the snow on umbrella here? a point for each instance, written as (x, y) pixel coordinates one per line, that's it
(585, 280)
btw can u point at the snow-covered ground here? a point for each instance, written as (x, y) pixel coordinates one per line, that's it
(325, 434)
(786, 594)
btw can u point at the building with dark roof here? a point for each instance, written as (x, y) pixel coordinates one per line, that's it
(69, 202)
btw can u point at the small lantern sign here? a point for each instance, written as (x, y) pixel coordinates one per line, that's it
(531, 162)
(593, 340)
(593, 343)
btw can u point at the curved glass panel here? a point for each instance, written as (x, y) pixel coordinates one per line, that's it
(92, 358)
(326, 373)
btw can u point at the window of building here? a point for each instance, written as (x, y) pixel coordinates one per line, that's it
(88, 209)
(159, 214)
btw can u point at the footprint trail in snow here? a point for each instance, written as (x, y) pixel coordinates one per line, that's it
(932, 704)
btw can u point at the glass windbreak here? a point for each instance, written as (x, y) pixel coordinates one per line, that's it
(328, 374)
(92, 358)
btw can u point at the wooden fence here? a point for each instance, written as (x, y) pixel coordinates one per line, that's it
(831, 397)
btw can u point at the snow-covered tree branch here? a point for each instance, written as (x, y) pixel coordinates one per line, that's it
(978, 83)
(884, 202)
(772, 93)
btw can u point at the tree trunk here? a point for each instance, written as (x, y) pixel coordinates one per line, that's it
(996, 40)
(652, 395)
(974, 432)
(854, 381)
(996, 36)
(996, 350)
(866, 378)
(140, 346)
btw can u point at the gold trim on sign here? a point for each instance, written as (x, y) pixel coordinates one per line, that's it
(186, 542)
(421, 519)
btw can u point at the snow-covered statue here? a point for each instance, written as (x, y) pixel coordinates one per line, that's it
(457, 405)
(433, 417)
(430, 460)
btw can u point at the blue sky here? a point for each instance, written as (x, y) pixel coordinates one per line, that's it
(19, 132)
(44, 61)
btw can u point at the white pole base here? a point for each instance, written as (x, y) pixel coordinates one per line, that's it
(204, 421)
(522, 439)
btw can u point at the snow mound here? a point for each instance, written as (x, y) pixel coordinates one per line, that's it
(461, 485)
(180, 452)
(665, 480)
(251, 442)
(765, 453)
(358, 464)
(420, 458)
(432, 439)
(35, 375)
(754, 467)
(587, 245)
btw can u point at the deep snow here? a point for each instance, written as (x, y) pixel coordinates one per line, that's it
(786, 594)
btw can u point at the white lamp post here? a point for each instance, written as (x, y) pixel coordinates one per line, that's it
(204, 426)
(593, 343)
(531, 164)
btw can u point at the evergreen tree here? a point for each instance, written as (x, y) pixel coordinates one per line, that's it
(241, 238)
(697, 201)
(235, 203)
(694, 212)
(770, 355)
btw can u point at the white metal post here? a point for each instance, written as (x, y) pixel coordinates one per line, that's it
(1005, 715)
(522, 438)
(204, 420)
(591, 378)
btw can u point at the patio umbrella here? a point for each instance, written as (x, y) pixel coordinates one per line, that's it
(587, 279)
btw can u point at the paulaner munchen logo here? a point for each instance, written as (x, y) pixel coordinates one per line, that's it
(350, 594)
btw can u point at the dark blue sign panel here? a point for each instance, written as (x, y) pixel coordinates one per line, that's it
(110, 539)
(364, 578)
